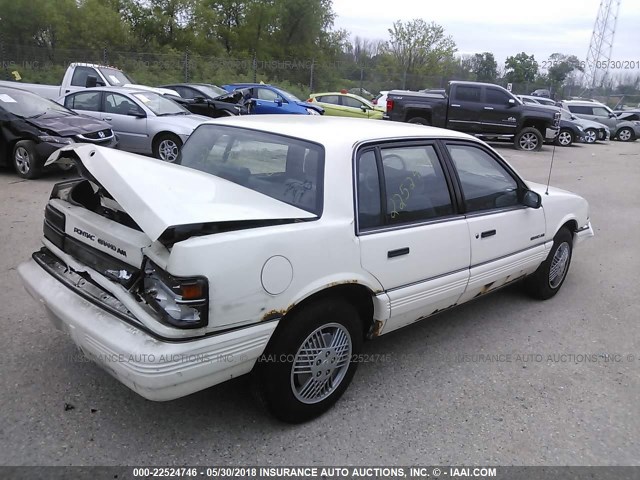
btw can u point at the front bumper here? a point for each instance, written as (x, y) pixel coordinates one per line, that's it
(551, 133)
(582, 234)
(154, 368)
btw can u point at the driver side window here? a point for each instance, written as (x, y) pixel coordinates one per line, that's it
(264, 94)
(485, 183)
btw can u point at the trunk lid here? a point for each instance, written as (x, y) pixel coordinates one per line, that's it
(159, 195)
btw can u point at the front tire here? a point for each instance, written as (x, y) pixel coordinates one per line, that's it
(528, 139)
(550, 275)
(308, 364)
(626, 135)
(564, 138)
(166, 147)
(590, 135)
(25, 160)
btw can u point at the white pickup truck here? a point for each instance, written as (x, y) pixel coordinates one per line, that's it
(85, 75)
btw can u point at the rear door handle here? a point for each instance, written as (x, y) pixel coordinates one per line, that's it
(488, 233)
(455, 105)
(107, 119)
(398, 252)
(488, 108)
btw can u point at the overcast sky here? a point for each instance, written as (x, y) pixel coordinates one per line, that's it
(504, 27)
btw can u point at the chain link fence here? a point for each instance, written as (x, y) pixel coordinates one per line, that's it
(301, 76)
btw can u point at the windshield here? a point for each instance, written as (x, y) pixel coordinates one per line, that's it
(29, 105)
(115, 77)
(160, 105)
(212, 91)
(283, 168)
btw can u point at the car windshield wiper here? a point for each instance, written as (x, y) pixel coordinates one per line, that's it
(172, 113)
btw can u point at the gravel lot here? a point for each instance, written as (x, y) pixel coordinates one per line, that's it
(426, 403)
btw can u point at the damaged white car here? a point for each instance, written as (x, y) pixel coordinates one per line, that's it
(279, 244)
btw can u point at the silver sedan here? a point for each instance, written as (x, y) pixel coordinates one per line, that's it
(144, 122)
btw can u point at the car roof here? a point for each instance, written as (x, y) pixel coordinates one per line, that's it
(124, 90)
(353, 95)
(324, 130)
(587, 103)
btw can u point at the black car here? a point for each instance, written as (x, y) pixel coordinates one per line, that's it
(32, 128)
(570, 131)
(209, 100)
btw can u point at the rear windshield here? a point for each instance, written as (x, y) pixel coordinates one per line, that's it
(287, 169)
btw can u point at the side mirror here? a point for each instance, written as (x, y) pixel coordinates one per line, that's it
(573, 117)
(511, 102)
(134, 112)
(531, 199)
(279, 102)
(364, 108)
(612, 115)
(92, 81)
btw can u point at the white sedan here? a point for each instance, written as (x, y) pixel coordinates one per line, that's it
(280, 244)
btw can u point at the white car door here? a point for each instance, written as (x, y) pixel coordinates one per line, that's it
(411, 238)
(128, 121)
(507, 238)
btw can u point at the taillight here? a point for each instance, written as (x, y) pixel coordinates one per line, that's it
(181, 301)
(374, 101)
(389, 105)
(309, 99)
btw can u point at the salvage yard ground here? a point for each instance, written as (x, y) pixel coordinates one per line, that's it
(502, 380)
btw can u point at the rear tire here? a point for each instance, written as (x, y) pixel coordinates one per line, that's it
(166, 147)
(626, 135)
(308, 363)
(528, 139)
(25, 160)
(550, 275)
(564, 138)
(419, 121)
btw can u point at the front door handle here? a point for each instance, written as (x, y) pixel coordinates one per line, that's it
(455, 105)
(398, 252)
(488, 108)
(488, 233)
(107, 119)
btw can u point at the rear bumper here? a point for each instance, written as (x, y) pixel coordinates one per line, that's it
(156, 369)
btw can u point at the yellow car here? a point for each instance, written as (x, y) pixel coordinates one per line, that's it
(343, 104)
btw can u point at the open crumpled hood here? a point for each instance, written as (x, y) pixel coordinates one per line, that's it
(160, 195)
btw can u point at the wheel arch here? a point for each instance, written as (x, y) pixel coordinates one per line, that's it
(155, 138)
(360, 296)
(536, 123)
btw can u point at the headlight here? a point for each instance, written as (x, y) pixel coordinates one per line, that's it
(52, 139)
(182, 302)
(311, 111)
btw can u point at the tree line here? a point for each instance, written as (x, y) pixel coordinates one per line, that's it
(259, 34)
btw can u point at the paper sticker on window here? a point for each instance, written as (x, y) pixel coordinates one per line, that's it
(114, 80)
(6, 98)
